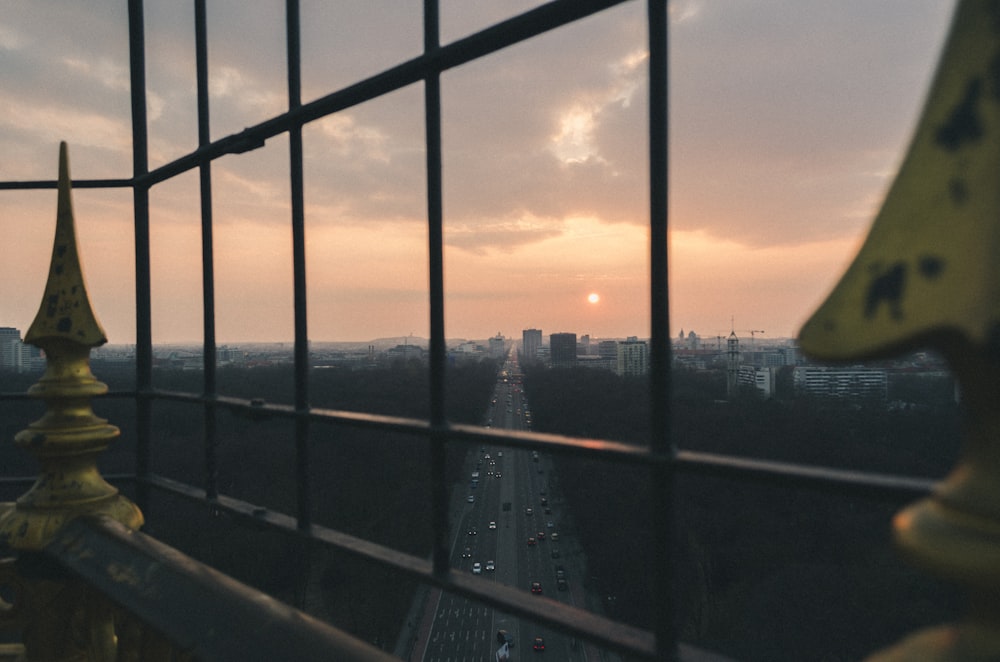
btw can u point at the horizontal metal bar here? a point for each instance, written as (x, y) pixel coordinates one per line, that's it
(685, 461)
(498, 36)
(77, 183)
(198, 609)
(857, 483)
(584, 624)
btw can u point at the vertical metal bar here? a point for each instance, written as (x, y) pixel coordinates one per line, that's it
(661, 473)
(435, 241)
(299, 267)
(207, 254)
(140, 205)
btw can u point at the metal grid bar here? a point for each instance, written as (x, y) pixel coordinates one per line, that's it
(143, 280)
(302, 482)
(435, 245)
(662, 459)
(211, 477)
(661, 474)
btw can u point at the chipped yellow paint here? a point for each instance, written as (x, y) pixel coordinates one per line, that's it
(928, 275)
(65, 312)
(69, 436)
(928, 270)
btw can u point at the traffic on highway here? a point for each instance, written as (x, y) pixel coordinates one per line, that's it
(509, 529)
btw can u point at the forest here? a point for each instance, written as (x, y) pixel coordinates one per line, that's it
(762, 572)
(364, 482)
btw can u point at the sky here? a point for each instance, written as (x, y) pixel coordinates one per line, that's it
(788, 119)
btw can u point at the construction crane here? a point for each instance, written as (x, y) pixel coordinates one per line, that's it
(753, 333)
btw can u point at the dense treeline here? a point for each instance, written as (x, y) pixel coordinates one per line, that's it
(367, 483)
(763, 572)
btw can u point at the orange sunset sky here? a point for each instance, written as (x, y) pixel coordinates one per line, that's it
(788, 119)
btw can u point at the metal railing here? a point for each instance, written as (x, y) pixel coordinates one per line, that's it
(661, 459)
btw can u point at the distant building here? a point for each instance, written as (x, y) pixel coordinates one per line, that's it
(732, 365)
(632, 357)
(498, 346)
(531, 341)
(562, 349)
(406, 352)
(15, 356)
(608, 349)
(762, 379)
(854, 382)
(226, 355)
(467, 348)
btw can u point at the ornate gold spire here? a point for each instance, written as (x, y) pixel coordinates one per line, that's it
(929, 275)
(68, 438)
(929, 266)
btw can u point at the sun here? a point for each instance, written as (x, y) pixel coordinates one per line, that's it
(593, 297)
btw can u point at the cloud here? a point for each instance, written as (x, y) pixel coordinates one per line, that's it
(787, 122)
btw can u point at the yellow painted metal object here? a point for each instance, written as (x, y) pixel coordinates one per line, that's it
(69, 437)
(928, 275)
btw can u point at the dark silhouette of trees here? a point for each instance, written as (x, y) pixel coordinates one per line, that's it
(369, 483)
(762, 572)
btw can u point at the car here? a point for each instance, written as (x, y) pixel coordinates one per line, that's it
(471, 498)
(560, 573)
(499, 453)
(504, 637)
(548, 511)
(477, 568)
(529, 512)
(493, 524)
(554, 537)
(561, 584)
(545, 501)
(473, 531)
(536, 587)
(490, 565)
(550, 525)
(531, 542)
(539, 645)
(540, 536)
(467, 553)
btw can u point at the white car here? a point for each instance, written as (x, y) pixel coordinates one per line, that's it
(490, 565)
(477, 568)
(493, 525)
(471, 498)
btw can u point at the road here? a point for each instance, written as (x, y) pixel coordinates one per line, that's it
(511, 501)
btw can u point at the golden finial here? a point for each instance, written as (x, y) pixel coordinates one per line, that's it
(65, 311)
(69, 437)
(928, 275)
(928, 270)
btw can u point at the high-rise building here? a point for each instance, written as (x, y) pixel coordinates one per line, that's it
(498, 346)
(531, 340)
(632, 357)
(841, 382)
(14, 354)
(562, 349)
(732, 365)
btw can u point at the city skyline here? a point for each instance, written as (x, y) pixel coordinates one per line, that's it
(788, 122)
